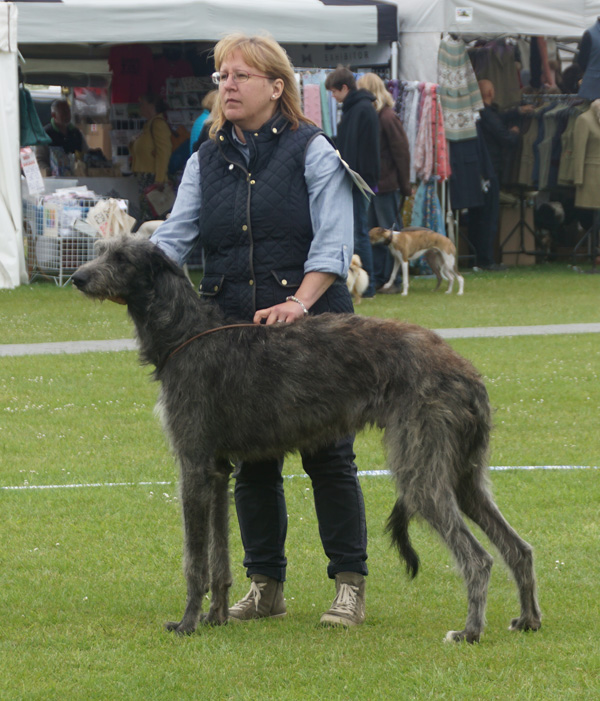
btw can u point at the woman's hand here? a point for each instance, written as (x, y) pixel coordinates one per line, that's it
(313, 286)
(286, 312)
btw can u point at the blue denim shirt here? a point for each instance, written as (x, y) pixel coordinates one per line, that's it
(330, 200)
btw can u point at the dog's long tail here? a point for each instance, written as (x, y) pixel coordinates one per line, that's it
(397, 527)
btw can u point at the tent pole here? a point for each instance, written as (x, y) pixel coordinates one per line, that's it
(394, 60)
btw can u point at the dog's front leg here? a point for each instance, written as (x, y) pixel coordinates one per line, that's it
(218, 553)
(390, 282)
(196, 499)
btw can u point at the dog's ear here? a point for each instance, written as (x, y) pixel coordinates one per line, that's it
(162, 263)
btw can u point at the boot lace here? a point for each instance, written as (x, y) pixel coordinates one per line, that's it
(346, 599)
(254, 596)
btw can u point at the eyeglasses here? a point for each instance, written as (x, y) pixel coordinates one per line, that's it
(238, 77)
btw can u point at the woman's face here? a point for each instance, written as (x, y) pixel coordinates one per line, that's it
(247, 105)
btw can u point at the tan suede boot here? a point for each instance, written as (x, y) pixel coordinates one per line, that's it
(348, 608)
(264, 600)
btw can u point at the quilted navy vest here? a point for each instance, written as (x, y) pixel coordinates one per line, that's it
(254, 247)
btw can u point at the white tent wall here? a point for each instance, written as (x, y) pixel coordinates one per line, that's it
(12, 259)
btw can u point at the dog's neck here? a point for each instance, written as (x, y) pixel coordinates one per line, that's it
(161, 320)
(389, 236)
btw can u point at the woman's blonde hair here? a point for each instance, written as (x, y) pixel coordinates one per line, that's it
(265, 55)
(373, 83)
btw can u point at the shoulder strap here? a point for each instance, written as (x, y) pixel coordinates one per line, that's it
(357, 179)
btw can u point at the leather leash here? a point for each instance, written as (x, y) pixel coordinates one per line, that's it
(205, 333)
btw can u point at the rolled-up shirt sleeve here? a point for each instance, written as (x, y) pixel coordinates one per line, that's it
(178, 235)
(330, 199)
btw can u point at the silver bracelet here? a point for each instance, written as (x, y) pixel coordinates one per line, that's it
(291, 298)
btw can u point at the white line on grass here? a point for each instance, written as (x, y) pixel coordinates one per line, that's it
(361, 473)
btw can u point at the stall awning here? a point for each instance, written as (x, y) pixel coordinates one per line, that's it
(130, 21)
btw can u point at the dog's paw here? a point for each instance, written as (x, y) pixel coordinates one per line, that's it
(179, 627)
(212, 618)
(457, 636)
(525, 623)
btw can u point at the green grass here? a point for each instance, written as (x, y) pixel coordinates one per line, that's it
(88, 576)
(548, 294)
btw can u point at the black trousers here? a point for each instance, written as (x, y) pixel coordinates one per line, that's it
(483, 225)
(260, 499)
(384, 211)
(262, 511)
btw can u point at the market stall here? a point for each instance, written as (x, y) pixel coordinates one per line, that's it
(78, 43)
(499, 37)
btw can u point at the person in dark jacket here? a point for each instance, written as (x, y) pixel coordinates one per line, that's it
(499, 140)
(394, 179)
(269, 200)
(358, 143)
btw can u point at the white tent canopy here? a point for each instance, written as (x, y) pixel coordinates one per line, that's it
(421, 24)
(131, 21)
(555, 18)
(12, 259)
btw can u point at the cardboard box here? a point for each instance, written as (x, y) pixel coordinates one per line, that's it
(509, 236)
(98, 136)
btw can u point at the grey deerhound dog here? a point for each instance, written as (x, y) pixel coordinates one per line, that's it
(231, 391)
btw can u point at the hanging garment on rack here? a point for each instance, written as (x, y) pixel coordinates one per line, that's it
(566, 168)
(458, 90)
(545, 146)
(131, 67)
(530, 134)
(410, 122)
(586, 158)
(32, 131)
(312, 103)
(471, 167)
(427, 210)
(562, 119)
(329, 126)
(431, 153)
(496, 62)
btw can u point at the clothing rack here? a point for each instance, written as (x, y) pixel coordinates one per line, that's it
(548, 97)
(520, 227)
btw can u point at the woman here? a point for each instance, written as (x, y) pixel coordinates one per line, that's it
(394, 179)
(270, 202)
(151, 150)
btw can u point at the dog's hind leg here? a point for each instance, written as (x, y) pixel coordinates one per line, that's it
(441, 512)
(218, 552)
(477, 503)
(434, 260)
(197, 494)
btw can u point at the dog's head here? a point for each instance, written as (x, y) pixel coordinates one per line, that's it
(378, 233)
(125, 268)
(355, 263)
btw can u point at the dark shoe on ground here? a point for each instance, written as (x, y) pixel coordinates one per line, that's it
(348, 608)
(264, 600)
(493, 268)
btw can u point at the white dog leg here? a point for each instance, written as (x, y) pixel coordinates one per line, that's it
(404, 278)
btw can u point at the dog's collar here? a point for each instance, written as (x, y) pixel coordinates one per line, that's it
(389, 240)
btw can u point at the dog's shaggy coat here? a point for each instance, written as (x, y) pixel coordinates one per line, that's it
(256, 391)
